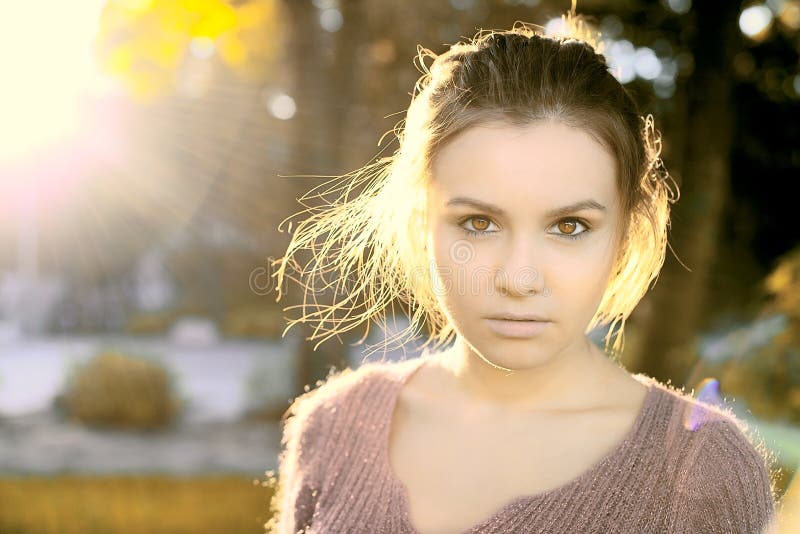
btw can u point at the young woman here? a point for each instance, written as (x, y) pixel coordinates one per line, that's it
(527, 204)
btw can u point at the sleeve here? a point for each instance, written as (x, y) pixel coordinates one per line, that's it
(297, 492)
(727, 487)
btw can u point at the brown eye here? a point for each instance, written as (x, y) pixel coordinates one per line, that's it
(481, 225)
(567, 227)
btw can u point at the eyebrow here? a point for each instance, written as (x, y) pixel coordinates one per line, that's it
(588, 204)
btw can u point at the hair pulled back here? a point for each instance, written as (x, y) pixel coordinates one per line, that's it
(375, 242)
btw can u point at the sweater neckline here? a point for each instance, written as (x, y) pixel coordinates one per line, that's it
(400, 489)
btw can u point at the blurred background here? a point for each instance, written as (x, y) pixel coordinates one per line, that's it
(150, 149)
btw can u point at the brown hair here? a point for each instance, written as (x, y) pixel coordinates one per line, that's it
(376, 240)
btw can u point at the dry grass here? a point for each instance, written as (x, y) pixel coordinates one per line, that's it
(134, 504)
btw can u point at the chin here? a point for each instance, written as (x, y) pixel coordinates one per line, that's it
(514, 354)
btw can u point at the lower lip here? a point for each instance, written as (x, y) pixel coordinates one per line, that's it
(517, 329)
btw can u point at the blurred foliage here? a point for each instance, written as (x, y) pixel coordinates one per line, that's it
(262, 319)
(150, 323)
(768, 378)
(783, 285)
(143, 43)
(115, 390)
(259, 320)
(222, 286)
(136, 504)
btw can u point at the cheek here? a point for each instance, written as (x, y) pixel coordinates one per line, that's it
(459, 279)
(577, 283)
(585, 267)
(583, 278)
(449, 249)
(456, 277)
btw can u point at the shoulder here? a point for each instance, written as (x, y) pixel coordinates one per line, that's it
(318, 408)
(725, 482)
(310, 422)
(729, 486)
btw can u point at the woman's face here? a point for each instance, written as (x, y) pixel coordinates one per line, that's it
(522, 221)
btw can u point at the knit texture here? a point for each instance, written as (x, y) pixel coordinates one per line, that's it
(685, 466)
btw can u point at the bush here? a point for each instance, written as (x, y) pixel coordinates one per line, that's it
(114, 390)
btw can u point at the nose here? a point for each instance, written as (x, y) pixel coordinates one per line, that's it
(520, 273)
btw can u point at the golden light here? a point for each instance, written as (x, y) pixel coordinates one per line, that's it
(789, 14)
(48, 69)
(755, 22)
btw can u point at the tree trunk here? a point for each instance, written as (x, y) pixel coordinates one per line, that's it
(679, 300)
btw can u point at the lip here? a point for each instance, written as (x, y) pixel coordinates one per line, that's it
(519, 317)
(517, 329)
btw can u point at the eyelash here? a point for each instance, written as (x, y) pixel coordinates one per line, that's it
(474, 233)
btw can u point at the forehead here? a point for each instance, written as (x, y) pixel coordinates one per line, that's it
(529, 166)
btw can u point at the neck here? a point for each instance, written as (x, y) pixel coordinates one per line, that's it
(572, 379)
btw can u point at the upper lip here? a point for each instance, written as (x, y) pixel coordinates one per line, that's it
(518, 317)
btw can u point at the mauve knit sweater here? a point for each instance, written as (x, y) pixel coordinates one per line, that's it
(684, 466)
